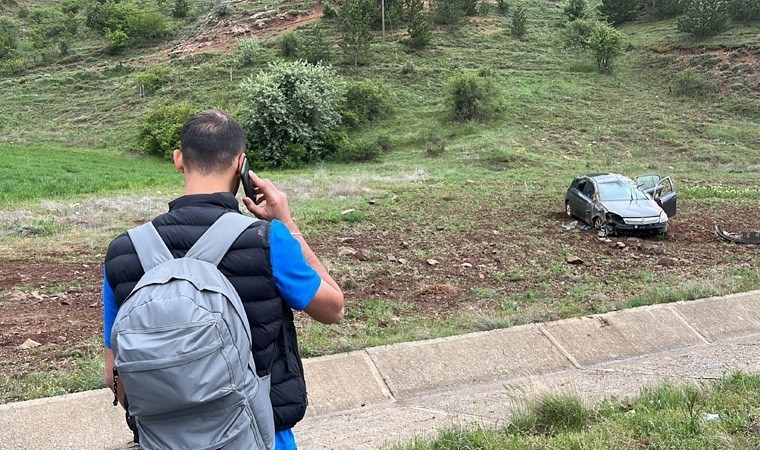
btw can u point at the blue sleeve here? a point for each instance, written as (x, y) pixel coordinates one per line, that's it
(285, 440)
(295, 278)
(109, 310)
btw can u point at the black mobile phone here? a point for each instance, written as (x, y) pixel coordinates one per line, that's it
(246, 180)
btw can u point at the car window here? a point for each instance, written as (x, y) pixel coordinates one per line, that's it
(647, 181)
(618, 190)
(588, 189)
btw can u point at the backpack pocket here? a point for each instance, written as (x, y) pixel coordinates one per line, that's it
(222, 425)
(173, 368)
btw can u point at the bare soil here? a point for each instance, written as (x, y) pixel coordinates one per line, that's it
(55, 306)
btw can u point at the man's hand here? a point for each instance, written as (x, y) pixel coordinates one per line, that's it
(269, 203)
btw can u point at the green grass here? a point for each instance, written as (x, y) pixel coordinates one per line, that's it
(719, 414)
(29, 173)
(82, 370)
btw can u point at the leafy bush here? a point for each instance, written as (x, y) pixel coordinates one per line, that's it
(704, 18)
(619, 11)
(154, 78)
(692, 83)
(470, 7)
(435, 143)
(365, 101)
(663, 9)
(471, 97)
(606, 43)
(576, 34)
(358, 152)
(745, 10)
(13, 66)
(181, 9)
(289, 110)
(519, 25)
(450, 13)
(328, 12)
(8, 37)
(146, 26)
(117, 41)
(576, 9)
(247, 52)
(160, 133)
(318, 49)
(290, 45)
(502, 6)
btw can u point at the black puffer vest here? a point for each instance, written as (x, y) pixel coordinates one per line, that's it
(248, 267)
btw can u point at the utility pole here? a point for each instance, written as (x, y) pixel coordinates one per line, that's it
(382, 15)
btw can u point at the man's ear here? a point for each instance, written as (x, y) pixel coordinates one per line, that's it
(240, 159)
(178, 163)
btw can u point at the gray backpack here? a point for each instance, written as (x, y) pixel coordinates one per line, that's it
(182, 348)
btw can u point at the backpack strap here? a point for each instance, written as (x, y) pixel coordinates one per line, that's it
(213, 245)
(149, 246)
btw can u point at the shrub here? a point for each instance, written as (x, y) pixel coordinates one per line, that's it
(519, 24)
(435, 143)
(117, 41)
(8, 37)
(160, 132)
(471, 97)
(13, 66)
(447, 12)
(606, 43)
(365, 101)
(619, 11)
(247, 52)
(288, 111)
(359, 152)
(692, 83)
(576, 34)
(328, 12)
(181, 9)
(154, 78)
(470, 7)
(663, 9)
(704, 18)
(318, 49)
(290, 45)
(745, 10)
(576, 9)
(147, 26)
(502, 6)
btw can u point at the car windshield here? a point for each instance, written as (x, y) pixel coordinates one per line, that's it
(619, 190)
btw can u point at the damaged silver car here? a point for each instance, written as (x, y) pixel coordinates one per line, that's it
(615, 204)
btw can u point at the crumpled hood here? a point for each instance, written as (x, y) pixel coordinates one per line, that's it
(637, 208)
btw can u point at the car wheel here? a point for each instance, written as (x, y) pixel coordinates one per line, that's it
(568, 209)
(598, 223)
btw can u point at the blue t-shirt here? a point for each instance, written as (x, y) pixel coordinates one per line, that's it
(296, 280)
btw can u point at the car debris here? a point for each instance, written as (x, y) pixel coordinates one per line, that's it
(751, 237)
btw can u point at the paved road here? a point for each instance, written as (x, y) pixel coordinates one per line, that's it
(383, 395)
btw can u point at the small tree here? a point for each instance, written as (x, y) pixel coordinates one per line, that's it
(502, 6)
(576, 9)
(181, 9)
(449, 13)
(705, 18)
(356, 18)
(290, 44)
(606, 43)
(663, 9)
(419, 26)
(470, 7)
(472, 96)
(289, 111)
(8, 37)
(247, 52)
(619, 11)
(318, 49)
(519, 22)
(160, 132)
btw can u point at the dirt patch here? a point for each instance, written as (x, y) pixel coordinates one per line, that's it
(436, 271)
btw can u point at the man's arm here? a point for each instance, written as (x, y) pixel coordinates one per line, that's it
(269, 204)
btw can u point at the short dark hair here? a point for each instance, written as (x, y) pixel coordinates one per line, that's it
(211, 140)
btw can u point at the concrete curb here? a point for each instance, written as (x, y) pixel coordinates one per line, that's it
(362, 399)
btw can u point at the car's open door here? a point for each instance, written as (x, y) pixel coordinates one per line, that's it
(661, 189)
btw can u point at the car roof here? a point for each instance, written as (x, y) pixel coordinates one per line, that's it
(606, 177)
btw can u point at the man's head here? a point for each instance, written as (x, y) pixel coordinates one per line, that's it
(212, 142)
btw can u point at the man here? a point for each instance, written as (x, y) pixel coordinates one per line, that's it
(270, 265)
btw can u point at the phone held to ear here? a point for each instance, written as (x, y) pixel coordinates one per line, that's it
(246, 180)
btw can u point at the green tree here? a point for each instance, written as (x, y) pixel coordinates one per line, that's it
(449, 13)
(318, 49)
(745, 10)
(419, 26)
(289, 111)
(356, 18)
(181, 9)
(290, 44)
(160, 131)
(663, 9)
(248, 51)
(576, 9)
(704, 18)
(519, 24)
(619, 11)
(8, 37)
(606, 43)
